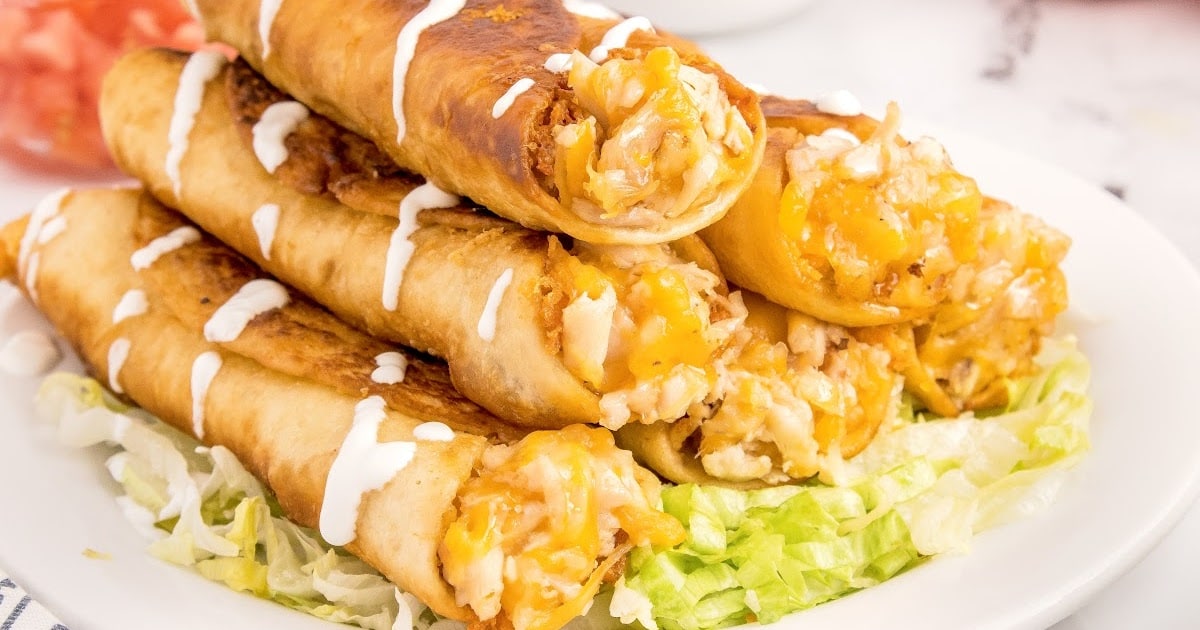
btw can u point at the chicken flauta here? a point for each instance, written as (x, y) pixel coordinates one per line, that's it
(641, 325)
(545, 522)
(660, 137)
(794, 397)
(882, 220)
(990, 327)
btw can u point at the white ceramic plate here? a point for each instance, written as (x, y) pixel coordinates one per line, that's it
(1135, 304)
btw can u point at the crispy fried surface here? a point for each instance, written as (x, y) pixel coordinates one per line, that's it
(302, 339)
(461, 67)
(323, 158)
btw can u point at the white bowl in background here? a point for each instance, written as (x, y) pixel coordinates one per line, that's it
(707, 17)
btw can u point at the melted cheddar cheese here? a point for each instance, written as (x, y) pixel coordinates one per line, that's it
(539, 527)
(882, 221)
(641, 327)
(660, 139)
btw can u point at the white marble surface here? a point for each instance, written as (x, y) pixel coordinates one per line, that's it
(1107, 89)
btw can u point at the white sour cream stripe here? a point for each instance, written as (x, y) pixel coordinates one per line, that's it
(618, 37)
(53, 228)
(266, 222)
(204, 370)
(487, 320)
(201, 67)
(390, 370)
(253, 299)
(435, 12)
(118, 353)
(558, 63)
(433, 432)
(590, 9)
(45, 211)
(165, 244)
(506, 101)
(267, 10)
(31, 273)
(400, 250)
(839, 103)
(362, 465)
(132, 304)
(278, 121)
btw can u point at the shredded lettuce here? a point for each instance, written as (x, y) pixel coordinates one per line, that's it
(200, 508)
(920, 490)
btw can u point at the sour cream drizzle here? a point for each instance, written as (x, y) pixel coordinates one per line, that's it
(132, 304)
(401, 249)
(590, 9)
(267, 10)
(435, 12)
(390, 369)
(487, 321)
(204, 370)
(277, 122)
(118, 353)
(558, 63)
(165, 244)
(53, 228)
(31, 273)
(433, 432)
(201, 67)
(362, 465)
(618, 37)
(253, 299)
(839, 103)
(506, 101)
(266, 222)
(44, 212)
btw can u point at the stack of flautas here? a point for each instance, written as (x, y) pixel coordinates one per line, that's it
(427, 268)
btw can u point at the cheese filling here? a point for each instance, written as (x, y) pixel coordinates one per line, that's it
(661, 138)
(883, 220)
(539, 528)
(641, 327)
(788, 410)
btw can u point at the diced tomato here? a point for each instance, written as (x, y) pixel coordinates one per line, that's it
(53, 56)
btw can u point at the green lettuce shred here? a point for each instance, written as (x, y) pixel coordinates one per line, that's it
(922, 489)
(200, 508)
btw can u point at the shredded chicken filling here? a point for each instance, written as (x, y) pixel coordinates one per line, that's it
(882, 220)
(642, 327)
(785, 411)
(661, 138)
(991, 326)
(539, 527)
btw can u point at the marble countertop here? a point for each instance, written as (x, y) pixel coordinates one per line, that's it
(1106, 89)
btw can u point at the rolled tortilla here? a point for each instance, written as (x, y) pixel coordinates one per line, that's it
(650, 146)
(493, 299)
(191, 338)
(848, 222)
(299, 338)
(962, 356)
(796, 398)
(285, 430)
